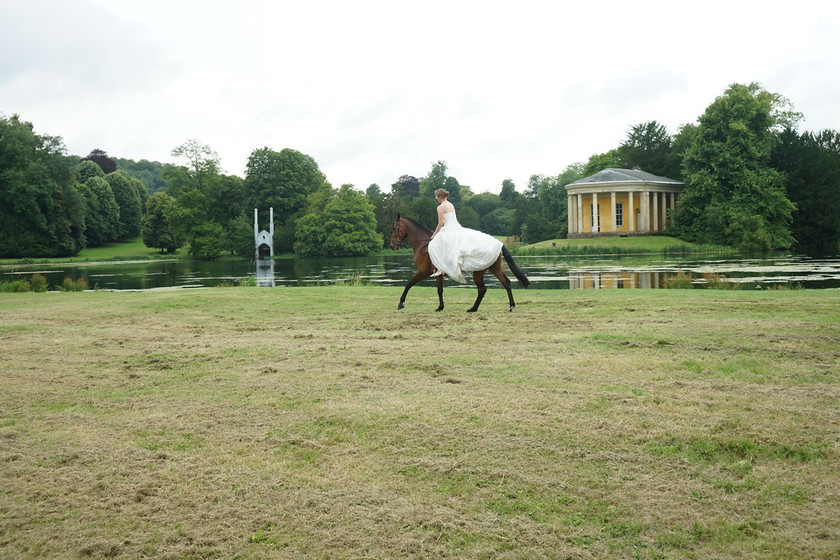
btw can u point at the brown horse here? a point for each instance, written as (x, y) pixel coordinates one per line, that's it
(419, 237)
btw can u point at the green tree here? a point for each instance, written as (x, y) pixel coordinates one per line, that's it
(481, 205)
(155, 227)
(102, 218)
(649, 147)
(437, 178)
(203, 164)
(208, 241)
(127, 196)
(499, 221)
(87, 170)
(811, 164)
(240, 236)
(101, 159)
(599, 162)
(732, 196)
(508, 193)
(41, 212)
(346, 227)
(282, 180)
(406, 186)
(149, 172)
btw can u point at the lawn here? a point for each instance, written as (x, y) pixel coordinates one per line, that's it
(324, 423)
(617, 245)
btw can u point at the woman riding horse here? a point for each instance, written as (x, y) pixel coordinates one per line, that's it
(419, 237)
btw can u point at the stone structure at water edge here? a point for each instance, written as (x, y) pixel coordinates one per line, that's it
(621, 202)
(264, 240)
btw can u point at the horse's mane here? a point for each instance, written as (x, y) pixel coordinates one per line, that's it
(415, 222)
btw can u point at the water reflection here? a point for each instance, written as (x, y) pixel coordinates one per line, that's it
(616, 280)
(394, 269)
(265, 273)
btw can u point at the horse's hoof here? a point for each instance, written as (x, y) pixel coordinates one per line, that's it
(439, 309)
(472, 310)
(400, 306)
(512, 307)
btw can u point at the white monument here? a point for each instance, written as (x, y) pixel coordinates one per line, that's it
(264, 241)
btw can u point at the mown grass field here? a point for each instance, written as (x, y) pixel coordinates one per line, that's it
(617, 245)
(324, 423)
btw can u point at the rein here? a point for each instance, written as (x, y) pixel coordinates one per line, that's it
(402, 229)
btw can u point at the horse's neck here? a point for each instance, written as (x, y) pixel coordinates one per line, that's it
(417, 234)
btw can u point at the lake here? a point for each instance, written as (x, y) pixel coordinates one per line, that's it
(595, 272)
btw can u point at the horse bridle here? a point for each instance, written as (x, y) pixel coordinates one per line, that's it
(402, 233)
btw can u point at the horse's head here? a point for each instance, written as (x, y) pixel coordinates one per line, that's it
(398, 234)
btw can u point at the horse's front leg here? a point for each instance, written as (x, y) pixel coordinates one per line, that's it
(418, 276)
(440, 292)
(478, 278)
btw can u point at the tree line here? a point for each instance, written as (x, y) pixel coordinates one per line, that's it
(752, 181)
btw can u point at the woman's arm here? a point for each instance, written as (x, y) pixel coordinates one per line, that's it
(440, 220)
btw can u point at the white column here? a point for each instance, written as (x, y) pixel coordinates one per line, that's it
(579, 213)
(612, 206)
(631, 215)
(644, 204)
(570, 218)
(656, 212)
(595, 221)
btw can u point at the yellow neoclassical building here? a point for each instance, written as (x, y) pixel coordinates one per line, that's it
(621, 202)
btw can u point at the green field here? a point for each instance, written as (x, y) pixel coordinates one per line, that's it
(618, 245)
(324, 423)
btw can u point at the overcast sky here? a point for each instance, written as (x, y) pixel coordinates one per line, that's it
(373, 90)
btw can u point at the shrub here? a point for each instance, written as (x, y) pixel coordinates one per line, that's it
(13, 286)
(38, 283)
(717, 282)
(77, 285)
(679, 281)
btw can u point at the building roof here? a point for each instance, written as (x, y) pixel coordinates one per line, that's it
(611, 175)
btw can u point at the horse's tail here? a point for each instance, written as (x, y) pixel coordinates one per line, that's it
(523, 280)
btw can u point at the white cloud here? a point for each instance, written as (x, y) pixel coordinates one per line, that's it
(377, 89)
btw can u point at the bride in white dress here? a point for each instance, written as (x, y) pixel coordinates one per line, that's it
(454, 249)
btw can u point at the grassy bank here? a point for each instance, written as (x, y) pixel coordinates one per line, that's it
(323, 423)
(617, 246)
(133, 249)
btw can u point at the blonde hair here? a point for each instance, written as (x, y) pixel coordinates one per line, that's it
(441, 193)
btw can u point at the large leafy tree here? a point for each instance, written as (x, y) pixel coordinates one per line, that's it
(149, 172)
(127, 194)
(102, 219)
(281, 180)
(732, 196)
(438, 178)
(207, 202)
(649, 147)
(508, 193)
(156, 228)
(406, 186)
(101, 159)
(811, 164)
(203, 163)
(345, 227)
(41, 212)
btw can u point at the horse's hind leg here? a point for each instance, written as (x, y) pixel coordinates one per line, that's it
(478, 278)
(496, 269)
(440, 293)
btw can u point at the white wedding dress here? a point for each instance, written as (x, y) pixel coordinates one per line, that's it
(456, 249)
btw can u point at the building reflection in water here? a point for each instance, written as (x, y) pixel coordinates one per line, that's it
(616, 280)
(265, 273)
